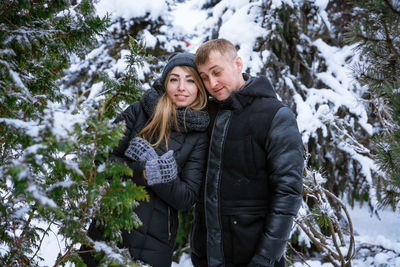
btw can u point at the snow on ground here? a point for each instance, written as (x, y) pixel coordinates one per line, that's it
(368, 229)
(388, 226)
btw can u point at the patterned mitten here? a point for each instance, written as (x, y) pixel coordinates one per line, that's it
(140, 150)
(162, 169)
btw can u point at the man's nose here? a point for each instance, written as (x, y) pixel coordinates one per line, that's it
(213, 82)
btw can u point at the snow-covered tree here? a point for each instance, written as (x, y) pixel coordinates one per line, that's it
(299, 45)
(319, 225)
(377, 36)
(54, 173)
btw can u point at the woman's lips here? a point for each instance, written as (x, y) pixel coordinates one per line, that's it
(181, 97)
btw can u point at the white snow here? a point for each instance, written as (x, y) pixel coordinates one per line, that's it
(39, 195)
(101, 246)
(31, 127)
(233, 31)
(64, 121)
(149, 39)
(186, 17)
(369, 230)
(95, 90)
(129, 9)
(121, 64)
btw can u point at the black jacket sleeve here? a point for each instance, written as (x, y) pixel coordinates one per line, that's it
(184, 190)
(131, 115)
(284, 149)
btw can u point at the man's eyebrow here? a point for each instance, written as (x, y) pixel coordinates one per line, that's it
(213, 67)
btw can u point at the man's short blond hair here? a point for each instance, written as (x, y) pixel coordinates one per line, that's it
(223, 46)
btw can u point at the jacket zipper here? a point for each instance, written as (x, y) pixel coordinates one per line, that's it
(169, 224)
(214, 246)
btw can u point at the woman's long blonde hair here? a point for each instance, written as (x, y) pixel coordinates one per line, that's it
(164, 114)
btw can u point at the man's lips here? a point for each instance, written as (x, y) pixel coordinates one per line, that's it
(218, 90)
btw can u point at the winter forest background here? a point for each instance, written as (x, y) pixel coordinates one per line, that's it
(68, 67)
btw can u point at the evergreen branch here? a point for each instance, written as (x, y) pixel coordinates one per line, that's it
(374, 82)
(372, 246)
(339, 232)
(9, 22)
(66, 254)
(368, 39)
(320, 245)
(389, 40)
(392, 7)
(27, 224)
(333, 233)
(331, 260)
(351, 247)
(40, 243)
(383, 114)
(38, 32)
(4, 13)
(298, 254)
(318, 234)
(327, 246)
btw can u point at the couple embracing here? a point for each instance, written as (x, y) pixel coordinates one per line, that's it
(210, 135)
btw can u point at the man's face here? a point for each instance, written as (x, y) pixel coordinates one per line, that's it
(221, 74)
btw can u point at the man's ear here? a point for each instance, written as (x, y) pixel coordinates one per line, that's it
(238, 63)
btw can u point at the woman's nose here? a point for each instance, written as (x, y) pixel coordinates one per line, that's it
(181, 86)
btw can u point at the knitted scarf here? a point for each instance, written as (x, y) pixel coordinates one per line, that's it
(188, 119)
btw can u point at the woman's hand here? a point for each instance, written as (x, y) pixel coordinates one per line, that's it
(140, 150)
(162, 169)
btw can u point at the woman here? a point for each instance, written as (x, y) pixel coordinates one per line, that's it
(165, 144)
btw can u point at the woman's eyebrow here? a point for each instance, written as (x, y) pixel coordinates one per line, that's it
(186, 76)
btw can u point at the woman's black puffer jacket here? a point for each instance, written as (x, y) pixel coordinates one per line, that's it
(153, 242)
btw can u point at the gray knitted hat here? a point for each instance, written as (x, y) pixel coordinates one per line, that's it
(177, 59)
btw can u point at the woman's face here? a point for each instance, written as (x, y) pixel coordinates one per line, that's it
(181, 87)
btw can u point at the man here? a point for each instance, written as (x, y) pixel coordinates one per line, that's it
(253, 180)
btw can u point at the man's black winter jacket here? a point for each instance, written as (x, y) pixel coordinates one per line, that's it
(253, 181)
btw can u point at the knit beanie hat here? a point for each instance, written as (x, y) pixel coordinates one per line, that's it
(177, 59)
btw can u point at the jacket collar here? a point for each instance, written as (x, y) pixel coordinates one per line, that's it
(254, 87)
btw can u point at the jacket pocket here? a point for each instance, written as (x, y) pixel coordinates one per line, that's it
(246, 231)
